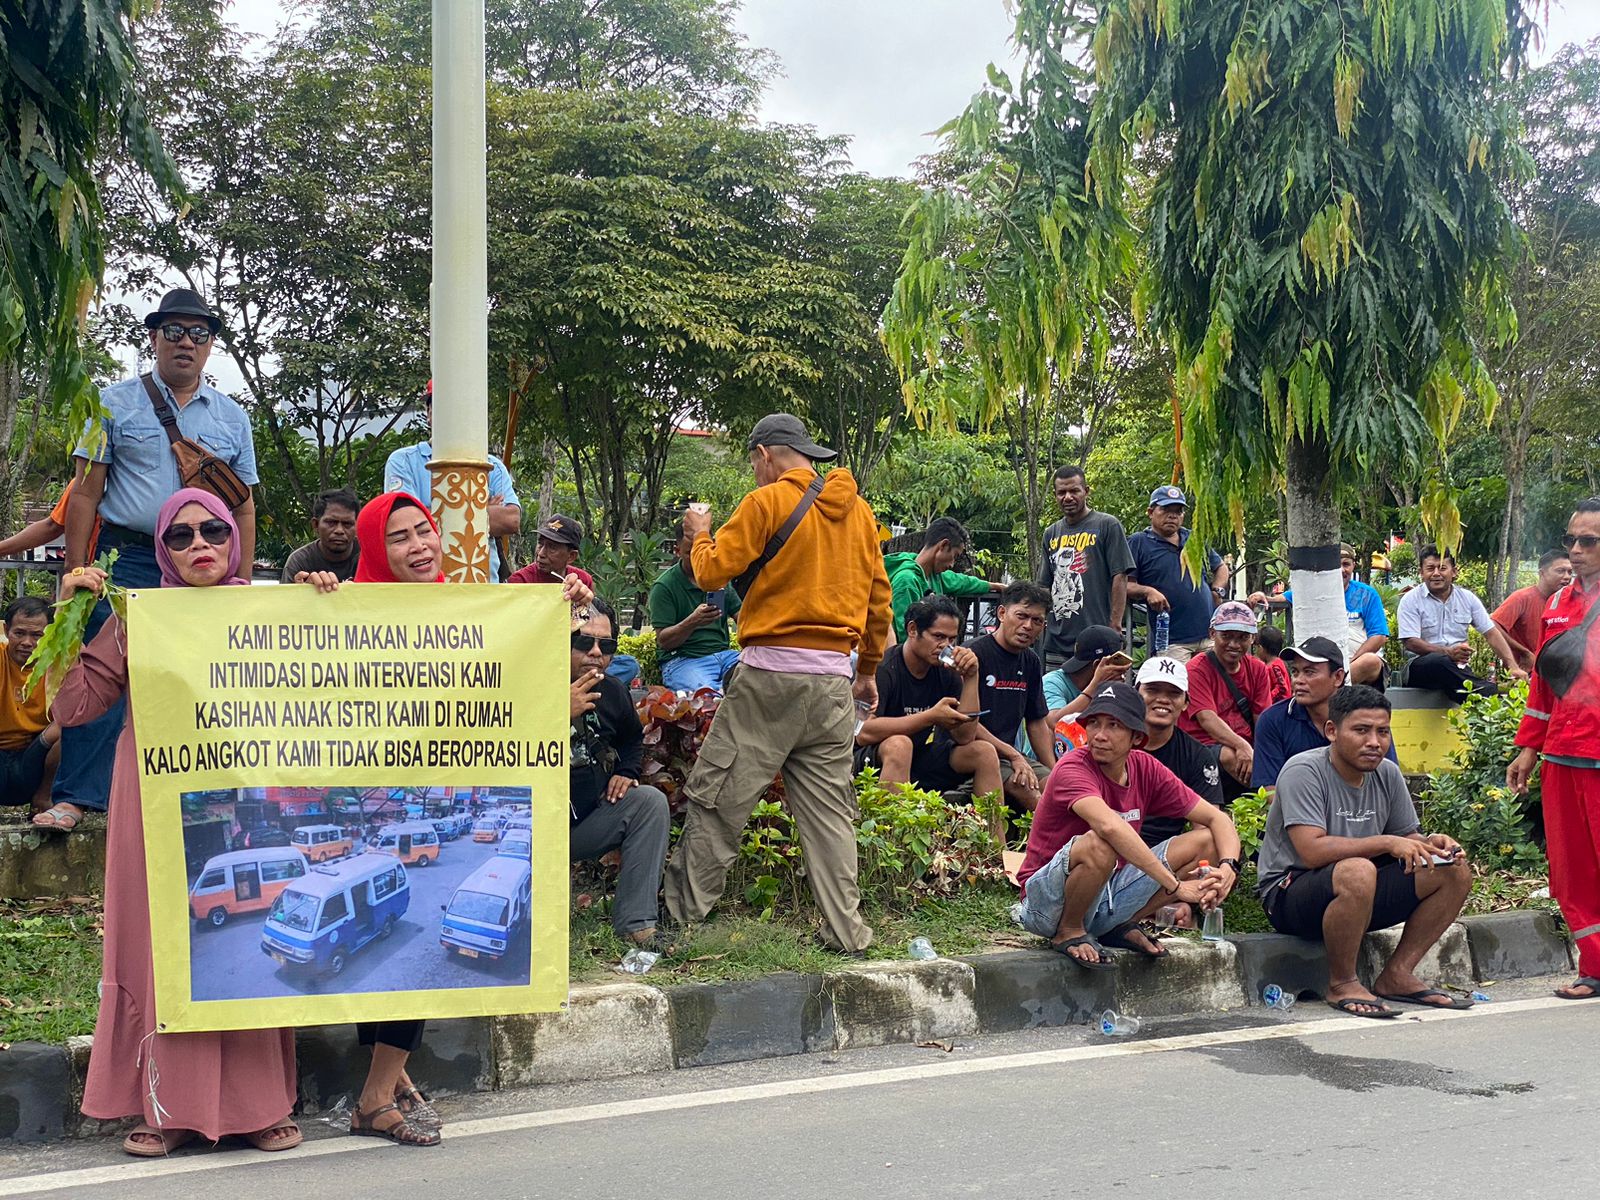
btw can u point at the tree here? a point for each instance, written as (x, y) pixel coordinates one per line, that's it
(1332, 212)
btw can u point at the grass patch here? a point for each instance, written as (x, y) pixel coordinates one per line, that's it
(49, 969)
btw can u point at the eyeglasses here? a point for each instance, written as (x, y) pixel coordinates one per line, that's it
(585, 642)
(198, 334)
(1587, 540)
(215, 532)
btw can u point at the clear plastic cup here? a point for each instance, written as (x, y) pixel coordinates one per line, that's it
(1115, 1024)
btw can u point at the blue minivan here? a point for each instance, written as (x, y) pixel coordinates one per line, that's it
(488, 916)
(335, 910)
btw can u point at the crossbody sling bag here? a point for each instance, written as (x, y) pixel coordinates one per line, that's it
(1240, 700)
(744, 582)
(1560, 660)
(197, 466)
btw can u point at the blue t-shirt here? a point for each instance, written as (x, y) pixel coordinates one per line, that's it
(1362, 606)
(1157, 563)
(407, 471)
(1283, 731)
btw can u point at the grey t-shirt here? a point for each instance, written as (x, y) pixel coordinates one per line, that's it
(1079, 563)
(311, 558)
(1311, 792)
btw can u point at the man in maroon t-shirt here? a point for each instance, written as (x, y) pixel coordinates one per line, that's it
(1216, 716)
(1088, 877)
(555, 553)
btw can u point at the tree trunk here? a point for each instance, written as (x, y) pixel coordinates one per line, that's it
(1312, 534)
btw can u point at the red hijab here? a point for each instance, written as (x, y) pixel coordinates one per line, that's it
(372, 527)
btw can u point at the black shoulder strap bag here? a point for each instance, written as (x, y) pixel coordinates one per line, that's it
(1240, 700)
(1560, 660)
(745, 581)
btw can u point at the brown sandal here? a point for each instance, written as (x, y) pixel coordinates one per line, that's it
(166, 1141)
(262, 1139)
(418, 1109)
(402, 1131)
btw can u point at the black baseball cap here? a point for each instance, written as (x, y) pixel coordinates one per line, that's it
(182, 302)
(1120, 701)
(1093, 644)
(784, 429)
(561, 530)
(1317, 650)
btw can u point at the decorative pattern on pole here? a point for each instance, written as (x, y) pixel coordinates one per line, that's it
(461, 489)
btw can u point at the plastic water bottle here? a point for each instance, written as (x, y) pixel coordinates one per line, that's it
(1211, 926)
(1115, 1024)
(1160, 632)
(1481, 998)
(1274, 996)
(922, 949)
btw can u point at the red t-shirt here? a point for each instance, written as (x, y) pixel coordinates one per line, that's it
(1521, 614)
(1209, 693)
(1282, 685)
(534, 573)
(1151, 791)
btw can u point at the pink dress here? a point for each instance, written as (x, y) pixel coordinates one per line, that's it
(215, 1083)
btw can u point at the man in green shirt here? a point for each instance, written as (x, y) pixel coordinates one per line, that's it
(691, 626)
(913, 576)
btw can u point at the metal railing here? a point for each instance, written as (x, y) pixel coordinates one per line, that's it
(14, 573)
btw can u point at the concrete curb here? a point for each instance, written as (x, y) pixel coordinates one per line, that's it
(629, 1028)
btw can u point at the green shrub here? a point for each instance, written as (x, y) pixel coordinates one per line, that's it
(1469, 800)
(642, 645)
(1250, 819)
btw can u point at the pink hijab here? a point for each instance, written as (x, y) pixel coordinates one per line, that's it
(169, 513)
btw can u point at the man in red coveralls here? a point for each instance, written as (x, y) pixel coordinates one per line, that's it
(1565, 730)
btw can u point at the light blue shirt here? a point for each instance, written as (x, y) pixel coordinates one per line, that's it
(407, 471)
(1059, 691)
(1442, 622)
(143, 472)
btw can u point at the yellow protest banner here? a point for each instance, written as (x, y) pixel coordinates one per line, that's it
(355, 804)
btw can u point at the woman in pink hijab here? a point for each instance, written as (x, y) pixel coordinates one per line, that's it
(182, 1085)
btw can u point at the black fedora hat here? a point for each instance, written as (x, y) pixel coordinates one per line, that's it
(183, 302)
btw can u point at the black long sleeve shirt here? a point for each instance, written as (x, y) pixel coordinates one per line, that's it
(615, 743)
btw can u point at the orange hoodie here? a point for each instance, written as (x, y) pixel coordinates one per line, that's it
(826, 589)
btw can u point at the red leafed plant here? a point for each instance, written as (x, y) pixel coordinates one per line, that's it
(675, 727)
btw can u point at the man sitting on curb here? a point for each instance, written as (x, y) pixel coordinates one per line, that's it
(1164, 684)
(1292, 726)
(1342, 855)
(1097, 659)
(1011, 693)
(1228, 690)
(30, 741)
(924, 731)
(928, 571)
(1088, 878)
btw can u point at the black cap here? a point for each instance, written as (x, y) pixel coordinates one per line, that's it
(1317, 649)
(1120, 701)
(563, 531)
(782, 429)
(182, 302)
(1093, 644)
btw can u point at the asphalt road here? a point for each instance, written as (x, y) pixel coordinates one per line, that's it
(228, 964)
(1497, 1102)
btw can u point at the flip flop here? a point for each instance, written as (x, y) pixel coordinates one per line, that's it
(1105, 963)
(167, 1140)
(1424, 996)
(1119, 938)
(57, 816)
(261, 1141)
(1349, 1006)
(1588, 981)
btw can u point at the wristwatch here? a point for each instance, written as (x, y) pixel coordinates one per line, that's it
(1230, 862)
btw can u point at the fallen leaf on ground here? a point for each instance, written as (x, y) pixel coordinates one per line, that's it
(947, 1047)
(708, 958)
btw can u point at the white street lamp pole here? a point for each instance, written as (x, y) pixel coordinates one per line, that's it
(460, 298)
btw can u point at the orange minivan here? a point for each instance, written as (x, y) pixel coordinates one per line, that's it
(243, 881)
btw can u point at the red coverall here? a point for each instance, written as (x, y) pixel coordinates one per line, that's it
(1566, 731)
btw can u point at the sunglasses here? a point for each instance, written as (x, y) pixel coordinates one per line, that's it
(214, 532)
(585, 642)
(198, 334)
(1587, 540)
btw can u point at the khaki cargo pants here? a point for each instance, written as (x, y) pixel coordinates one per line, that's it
(772, 723)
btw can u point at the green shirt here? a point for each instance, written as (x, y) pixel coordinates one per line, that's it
(908, 584)
(673, 597)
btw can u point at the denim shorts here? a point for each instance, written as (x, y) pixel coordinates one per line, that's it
(1127, 892)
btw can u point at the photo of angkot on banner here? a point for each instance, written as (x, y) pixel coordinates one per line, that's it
(355, 803)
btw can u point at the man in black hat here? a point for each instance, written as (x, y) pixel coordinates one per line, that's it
(1088, 878)
(812, 631)
(1316, 671)
(555, 554)
(130, 471)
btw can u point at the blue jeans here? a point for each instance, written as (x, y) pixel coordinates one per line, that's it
(87, 751)
(692, 674)
(624, 668)
(1123, 897)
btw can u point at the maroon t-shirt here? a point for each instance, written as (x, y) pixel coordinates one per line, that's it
(534, 573)
(1209, 693)
(1151, 791)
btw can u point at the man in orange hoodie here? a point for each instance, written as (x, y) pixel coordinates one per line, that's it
(791, 704)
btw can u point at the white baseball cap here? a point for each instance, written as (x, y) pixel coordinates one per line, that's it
(1162, 669)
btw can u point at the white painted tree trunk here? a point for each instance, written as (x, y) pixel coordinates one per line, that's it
(1313, 534)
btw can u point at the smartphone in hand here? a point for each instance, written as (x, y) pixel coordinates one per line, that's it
(718, 600)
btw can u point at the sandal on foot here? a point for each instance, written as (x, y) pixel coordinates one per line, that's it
(262, 1139)
(418, 1109)
(1120, 939)
(1352, 1006)
(166, 1141)
(1104, 963)
(1586, 981)
(58, 816)
(402, 1131)
(1425, 998)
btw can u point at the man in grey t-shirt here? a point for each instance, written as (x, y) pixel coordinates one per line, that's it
(335, 549)
(1085, 567)
(1342, 854)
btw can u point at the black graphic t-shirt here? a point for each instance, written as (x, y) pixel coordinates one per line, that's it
(1010, 686)
(1196, 767)
(1079, 563)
